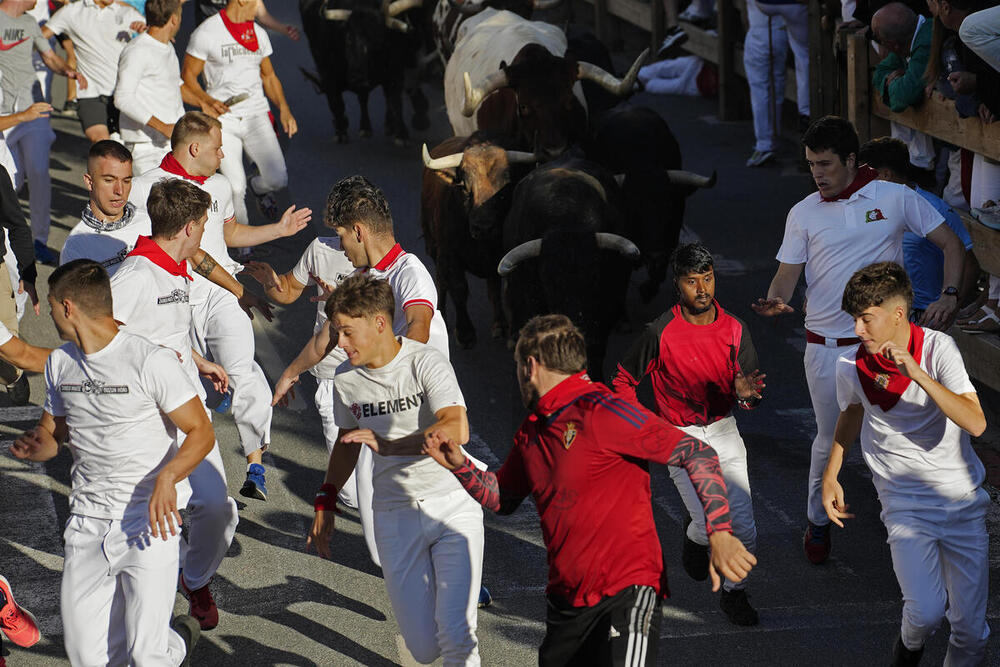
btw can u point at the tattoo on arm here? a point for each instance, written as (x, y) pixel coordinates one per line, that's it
(702, 466)
(482, 485)
(206, 266)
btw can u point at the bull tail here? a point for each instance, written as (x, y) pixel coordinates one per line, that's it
(314, 79)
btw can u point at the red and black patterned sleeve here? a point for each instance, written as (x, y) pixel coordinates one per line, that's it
(640, 359)
(500, 492)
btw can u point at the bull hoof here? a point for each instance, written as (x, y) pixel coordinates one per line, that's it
(365, 134)
(420, 121)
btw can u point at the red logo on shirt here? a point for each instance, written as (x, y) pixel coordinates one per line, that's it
(6, 47)
(356, 410)
(874, 215)
(569, 435)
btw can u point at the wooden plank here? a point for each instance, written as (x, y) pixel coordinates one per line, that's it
(637, 13)
(658, 21)
(730, 98)
(937, 117)
(601, 21)
(858, 110)
(981, 353)
(985, 244)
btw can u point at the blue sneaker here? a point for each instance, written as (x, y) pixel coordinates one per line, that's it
(255, 486)
(485, 599)
(43, 254)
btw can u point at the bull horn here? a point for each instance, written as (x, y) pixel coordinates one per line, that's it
(681, 177)
(545, 4)
(521, 157)
(446, 162)
(396, 24)
(515, 256)
(473, 96)
(336, 14)
(397, 7)
(619, 244)
(611, 83)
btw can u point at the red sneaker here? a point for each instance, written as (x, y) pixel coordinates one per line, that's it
(202, 605)
(816, 543)
(17, 623)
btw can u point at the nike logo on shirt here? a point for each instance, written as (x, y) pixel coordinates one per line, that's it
(7, 47)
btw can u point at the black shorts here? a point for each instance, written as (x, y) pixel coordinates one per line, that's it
(621, 630)
(98, 111)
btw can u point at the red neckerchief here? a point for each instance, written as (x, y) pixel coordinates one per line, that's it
(881, 380)
(170, 165)
(150, 249)
(244, 33)
(389, 258)
(864, 176)
(564, 392)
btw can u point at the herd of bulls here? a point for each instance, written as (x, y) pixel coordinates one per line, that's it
(552, 189)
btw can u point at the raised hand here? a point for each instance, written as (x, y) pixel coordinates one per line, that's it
(293, 221)
(900, 356)
(771, 307)
(264, 274)
(749, 387)
(443, 449)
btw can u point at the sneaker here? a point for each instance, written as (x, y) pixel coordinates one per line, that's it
(757, 158)
(43, 254)
(18, 624)
(694, 557)
(485, 599)
(736, 606)
(189, 631)
(904, 657)
(18, 391)
(203, 607)
(691, 15)
(816, 543)
(675, 37)
(988, 216)
(255, 486)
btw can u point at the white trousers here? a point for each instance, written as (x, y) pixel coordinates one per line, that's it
(221, 331)
(30, 143)
(146, 155)
(789, 26)
(985, 183)
(941, 559)
(432, 561)
(117, 596)
(724, 437)
(953, 195)
(255, 135)
(821, 364)
(674, 76)
(919, 145)
(980, 31)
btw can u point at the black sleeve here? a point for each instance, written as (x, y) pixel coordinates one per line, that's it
(746, 356)
(12, 219)
(639, 358)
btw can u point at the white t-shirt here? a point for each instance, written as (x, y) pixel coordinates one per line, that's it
(835, 239)
(112, 401)
(108, 248)
(396, 400)
(325, 259)
(149, 84)
(155, 305)
(213, 241)
(918, 457)
(231, 69)
(99, 34)
(5, 335)
(412, 285)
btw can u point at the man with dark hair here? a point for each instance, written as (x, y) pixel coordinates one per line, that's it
(923, 260)
(905, 391)
(388, 395)
(606, 574)
(151, 293)
(121, 402)
(853, 220)
(702, 363)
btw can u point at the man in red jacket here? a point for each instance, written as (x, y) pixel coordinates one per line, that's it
(582, 455)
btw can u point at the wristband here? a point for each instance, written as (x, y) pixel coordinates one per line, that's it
(326, 499)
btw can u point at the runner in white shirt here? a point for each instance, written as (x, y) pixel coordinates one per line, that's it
(148, 92)
(906, 392)
(98, 30)
(22, 354)
(388, 395)
(107, 393)
(233, 53)
(219, 329)
(151, 293)
(852, 221)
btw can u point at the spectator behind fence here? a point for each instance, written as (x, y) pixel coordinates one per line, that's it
(980, 31)
(899, 77)
(923, 260)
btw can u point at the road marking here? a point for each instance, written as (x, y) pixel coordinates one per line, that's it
(271, 361)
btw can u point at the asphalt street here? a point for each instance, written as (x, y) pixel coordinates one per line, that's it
(280, 605)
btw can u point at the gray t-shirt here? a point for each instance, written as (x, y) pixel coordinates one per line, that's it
(17, 38)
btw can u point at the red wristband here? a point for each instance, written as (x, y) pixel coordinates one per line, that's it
(326, 499)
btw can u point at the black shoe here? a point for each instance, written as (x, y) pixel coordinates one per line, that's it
(694, 557)
(674, 38)
(736, 606)
(904, 657)
(19, 392)
(189, 630)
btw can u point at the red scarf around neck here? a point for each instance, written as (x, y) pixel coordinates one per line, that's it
(881, 380)
(150, 249)
(170, 165)
(244, 32)
(864, 176)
